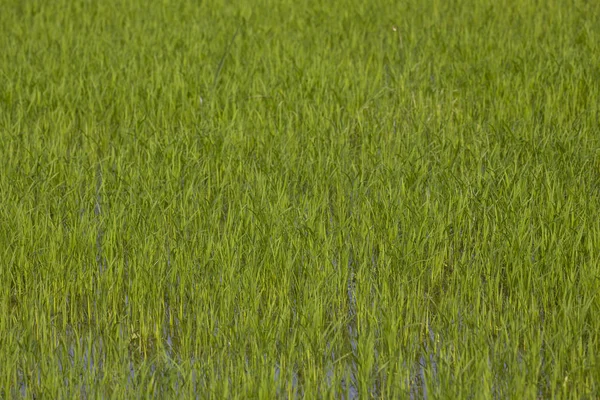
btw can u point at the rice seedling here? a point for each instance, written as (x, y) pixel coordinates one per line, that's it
(299, 199)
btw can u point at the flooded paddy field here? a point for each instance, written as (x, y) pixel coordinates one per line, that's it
(299, 199)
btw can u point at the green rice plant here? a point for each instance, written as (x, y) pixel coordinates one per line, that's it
(299, 199)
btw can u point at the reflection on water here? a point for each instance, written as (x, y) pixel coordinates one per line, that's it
(172, 376)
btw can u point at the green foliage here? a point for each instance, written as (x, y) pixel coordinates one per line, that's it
(299, 199)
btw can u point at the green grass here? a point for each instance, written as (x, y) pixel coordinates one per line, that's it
(300, 199)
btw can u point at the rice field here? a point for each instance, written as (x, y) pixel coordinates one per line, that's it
(300, 199)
